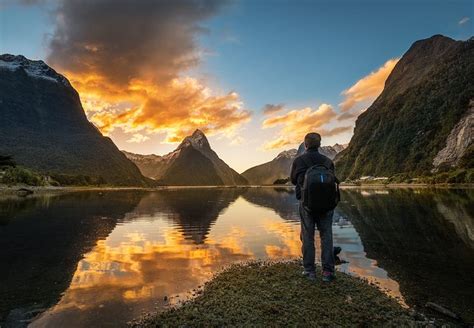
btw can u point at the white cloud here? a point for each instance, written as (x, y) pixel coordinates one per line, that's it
(138, 138)
(464, 20)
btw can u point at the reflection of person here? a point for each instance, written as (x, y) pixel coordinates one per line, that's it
(309, 220)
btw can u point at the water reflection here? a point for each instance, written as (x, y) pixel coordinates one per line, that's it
(117, 254)
(193, 210)
(423, 238)
(280, 199)
(43, 239)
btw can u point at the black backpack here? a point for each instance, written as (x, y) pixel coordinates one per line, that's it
(320, 188)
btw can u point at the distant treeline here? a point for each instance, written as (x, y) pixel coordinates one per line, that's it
(13, 175)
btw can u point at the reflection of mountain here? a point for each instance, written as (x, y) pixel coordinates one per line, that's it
(282, 200)
(421, 249)
(193, 210)
(43, 240)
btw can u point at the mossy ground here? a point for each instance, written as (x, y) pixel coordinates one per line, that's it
(277, 295)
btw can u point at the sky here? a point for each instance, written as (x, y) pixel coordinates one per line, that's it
(255, 76)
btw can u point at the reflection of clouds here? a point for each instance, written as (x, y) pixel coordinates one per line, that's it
(149, 255)
(288, 237)
(142, 270)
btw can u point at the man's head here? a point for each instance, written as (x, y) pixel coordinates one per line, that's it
(312, 140)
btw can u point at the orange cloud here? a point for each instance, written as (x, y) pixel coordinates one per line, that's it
(133, 78)
(297, 123)
(176, 108)
(368, 88)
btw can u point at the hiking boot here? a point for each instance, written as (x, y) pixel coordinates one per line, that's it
(328, 276)
(310, 275)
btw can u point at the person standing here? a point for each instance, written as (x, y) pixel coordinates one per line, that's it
(318, 193)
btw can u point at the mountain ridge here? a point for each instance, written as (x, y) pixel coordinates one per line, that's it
(44, 127)
(279, 167)
(193, 162)
(426, 95)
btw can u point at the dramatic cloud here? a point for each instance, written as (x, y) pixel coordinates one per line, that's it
(269, 109)
(297, 123)
(463, 20)
(127, 60)
(368, 88)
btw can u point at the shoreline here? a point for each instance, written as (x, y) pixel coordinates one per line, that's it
(263, 293)
(43, 190)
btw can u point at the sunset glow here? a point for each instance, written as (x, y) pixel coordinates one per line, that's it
(244, 73)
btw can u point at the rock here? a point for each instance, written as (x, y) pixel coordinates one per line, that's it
(442, 310)
(458, 142)
(23, 192)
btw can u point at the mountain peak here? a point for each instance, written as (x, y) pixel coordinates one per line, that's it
(423, 56)
(198, 133)
(33, 68)
(287, 154)
(197, 140)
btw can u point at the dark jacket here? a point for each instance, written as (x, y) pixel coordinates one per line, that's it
(299, 167)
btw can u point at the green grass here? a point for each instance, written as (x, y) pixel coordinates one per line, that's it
(276, 295)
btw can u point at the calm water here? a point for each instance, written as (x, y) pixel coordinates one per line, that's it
(101, 259)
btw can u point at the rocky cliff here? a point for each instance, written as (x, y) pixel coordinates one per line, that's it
(422, 118)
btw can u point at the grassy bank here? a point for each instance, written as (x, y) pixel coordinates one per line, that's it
(276, 294)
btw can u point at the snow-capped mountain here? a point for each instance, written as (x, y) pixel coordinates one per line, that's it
(279, 167)
(33, 68)
(332, 151)
(43, 126)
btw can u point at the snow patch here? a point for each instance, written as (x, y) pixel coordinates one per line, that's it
(34, 68)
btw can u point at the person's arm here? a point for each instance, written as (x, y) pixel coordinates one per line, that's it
(333, 169)
(293, 173)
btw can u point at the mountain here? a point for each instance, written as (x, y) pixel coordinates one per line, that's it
(267, 173)
(425, 107)
(332, 151)
(193, 163)
(279, 167)
(43, 126)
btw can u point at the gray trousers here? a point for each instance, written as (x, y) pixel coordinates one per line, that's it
(324, 224)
